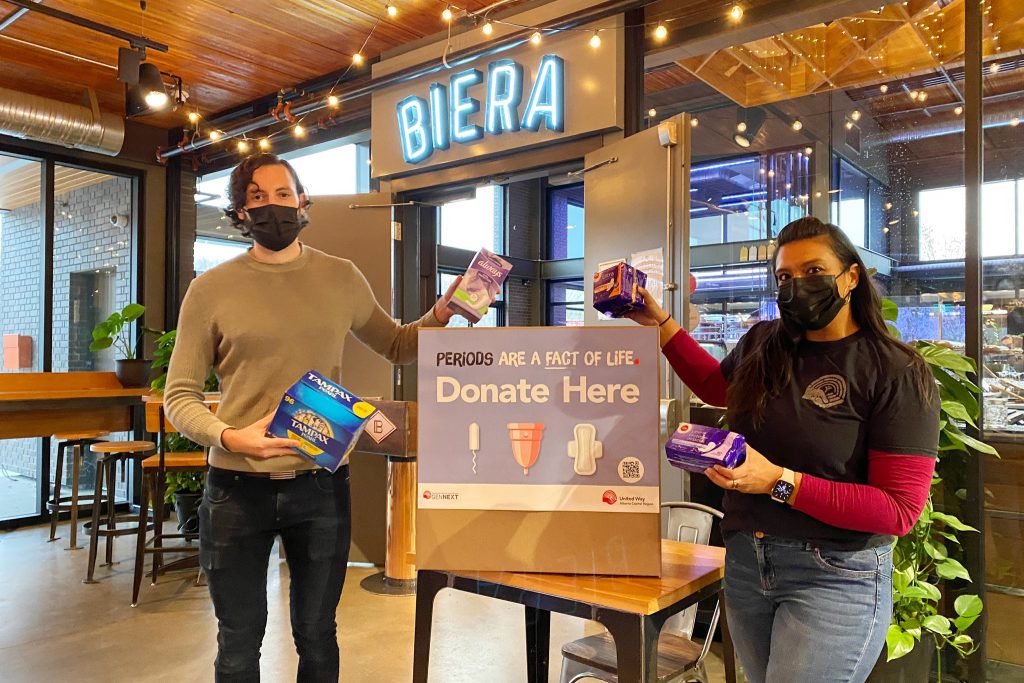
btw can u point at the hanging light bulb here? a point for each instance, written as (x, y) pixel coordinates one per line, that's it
(994, 68)
(884, 88)
(660, 33)
(447, 14)
(264, 144)
(216, 135)
(922, 96)
(855, 115)
(536, 38)
(332, 100)
(243, 147)
(888, 206)
(193, 117)
(797, 125)
(741, 127)
(652, 113)
(736, 12)
(808, 151)
(595, 40)
(914, 95)
(958, 110)
(488, 28)
(1015, 122)
(298, 131)
(849, 125)
(694, 122)
(391, 10)
(357, 58)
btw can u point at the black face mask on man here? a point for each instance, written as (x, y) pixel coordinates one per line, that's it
(810, 303)
(274, 226)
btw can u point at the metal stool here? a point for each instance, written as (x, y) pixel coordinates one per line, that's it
(77, 442)
(108, 455)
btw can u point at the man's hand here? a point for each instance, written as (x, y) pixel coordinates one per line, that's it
(441, 310)
(253, 440)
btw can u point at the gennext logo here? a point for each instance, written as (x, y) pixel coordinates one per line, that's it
(429, 126)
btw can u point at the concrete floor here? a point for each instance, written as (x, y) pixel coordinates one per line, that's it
(53, 627)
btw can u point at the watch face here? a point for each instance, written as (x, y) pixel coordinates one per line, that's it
(782, 490)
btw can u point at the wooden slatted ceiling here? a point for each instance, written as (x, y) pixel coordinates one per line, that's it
(20, 182)
(894, 42)
(227, 51)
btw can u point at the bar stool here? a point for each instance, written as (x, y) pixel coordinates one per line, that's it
(77, 442)
(108, 455)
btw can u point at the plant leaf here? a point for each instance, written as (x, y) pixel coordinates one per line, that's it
(890, 311)
(963, 639)
(936, 552)
(968, 605)
(969, 441)
(946, 358)
(132, 312)
(964, 623)
(937, 624)
(898, 642)
(952, 569)
(952, 522)
(915, 592)
(893, 330)
(931, 590)
(101, 344)
(958, 411)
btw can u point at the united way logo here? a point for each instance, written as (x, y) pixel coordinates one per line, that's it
(609, 497)
(827, 392)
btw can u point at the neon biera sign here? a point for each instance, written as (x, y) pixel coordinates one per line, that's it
(450, 112)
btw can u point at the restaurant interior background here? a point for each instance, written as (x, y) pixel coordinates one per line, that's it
(842, 110)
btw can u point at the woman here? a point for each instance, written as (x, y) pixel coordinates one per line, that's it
(841, 422)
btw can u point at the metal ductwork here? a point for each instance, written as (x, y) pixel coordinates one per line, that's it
(71, 125)
(995, 116)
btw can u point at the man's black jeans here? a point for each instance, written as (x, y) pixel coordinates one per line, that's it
(238, 520)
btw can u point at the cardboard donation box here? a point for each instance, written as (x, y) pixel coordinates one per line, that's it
(538, 450)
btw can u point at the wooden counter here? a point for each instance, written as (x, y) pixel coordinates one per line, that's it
(40, 404)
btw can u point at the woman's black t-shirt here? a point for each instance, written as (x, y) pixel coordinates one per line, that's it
(847, 397)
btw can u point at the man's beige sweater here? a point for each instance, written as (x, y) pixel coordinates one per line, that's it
(260, 327)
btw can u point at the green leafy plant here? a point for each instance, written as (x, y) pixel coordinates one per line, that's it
(162, 360)
(182, 482)
(112, 332)
(922, 560)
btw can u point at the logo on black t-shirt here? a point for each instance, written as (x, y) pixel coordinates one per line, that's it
(827, 392)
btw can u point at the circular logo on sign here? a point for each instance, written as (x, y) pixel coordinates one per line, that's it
(631, 470)
(426, 494)
(610, 497)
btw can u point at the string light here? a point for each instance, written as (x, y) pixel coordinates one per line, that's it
(536, 38)
(797, 125)
(855, 115)
(264, 144)
(447, 14)
(332, 101)
(913, 95)
(299, 131)
(741, 127)
(849, 125)
(994, 69)
(884, 89)
(193, 117)
(660, 33)
(922, 96)
(357, 58)
(595, 40)
(216, 135)
(736, 12)
(243, 147)
(694, 122)
(958, 110)
(1015, 122)
(488, 28)
(652, 113)
(391, 10)
(808, 151)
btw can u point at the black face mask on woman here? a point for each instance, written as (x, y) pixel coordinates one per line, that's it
(274, 226)
(810, 303)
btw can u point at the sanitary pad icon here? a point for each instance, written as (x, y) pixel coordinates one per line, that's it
(585, 449)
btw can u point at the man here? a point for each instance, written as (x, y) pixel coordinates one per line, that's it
(261, 321)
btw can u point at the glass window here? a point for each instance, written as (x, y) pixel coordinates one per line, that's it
(565, 303)
(850, 205)
(495, 316)
(213, 252)
(475, 222)
(328, 169)
(941, 221)
(566, 229)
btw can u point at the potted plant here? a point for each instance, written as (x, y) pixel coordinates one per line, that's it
(923, 559)
(131, 372)
(184, 489)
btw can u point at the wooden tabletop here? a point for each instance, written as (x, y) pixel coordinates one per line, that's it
(685, 569)
(65, 394)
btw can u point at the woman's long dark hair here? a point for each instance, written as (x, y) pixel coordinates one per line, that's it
(764, 373)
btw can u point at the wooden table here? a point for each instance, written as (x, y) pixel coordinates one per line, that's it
(633, 609)
(40, 404)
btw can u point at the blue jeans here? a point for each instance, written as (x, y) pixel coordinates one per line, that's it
(238, 520)
(799, 613)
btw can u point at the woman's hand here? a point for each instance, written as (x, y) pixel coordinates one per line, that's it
(651, 314)
(441, 310)
(756, 475)
(253, 440)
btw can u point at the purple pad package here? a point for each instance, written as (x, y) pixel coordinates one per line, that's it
(617, 289)
(695, 448)
(480, 285)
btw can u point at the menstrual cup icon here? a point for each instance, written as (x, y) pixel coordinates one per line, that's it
(526, 438)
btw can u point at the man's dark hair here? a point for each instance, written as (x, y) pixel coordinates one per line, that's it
(241, 178)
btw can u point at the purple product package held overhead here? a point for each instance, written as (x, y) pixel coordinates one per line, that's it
(617, 289)
(695, 448)
(480, 286)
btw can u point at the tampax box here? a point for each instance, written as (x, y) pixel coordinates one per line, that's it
(323, 418)
(480, 285)
(617, 289)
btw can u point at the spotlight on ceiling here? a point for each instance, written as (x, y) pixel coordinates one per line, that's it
(149, 95)
(748, 125)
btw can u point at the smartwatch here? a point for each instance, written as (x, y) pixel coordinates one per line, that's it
(784, 487)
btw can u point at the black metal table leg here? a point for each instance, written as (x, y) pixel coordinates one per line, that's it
(140, 540)
(55, 513)
(538, 643)
(78, 454)
(428, 585)
(636, 645)
(94, 529)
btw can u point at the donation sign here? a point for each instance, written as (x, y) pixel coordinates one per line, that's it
(539, 420)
